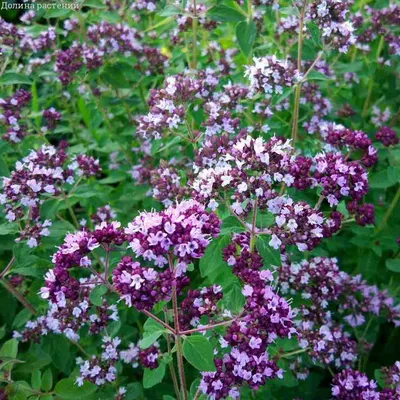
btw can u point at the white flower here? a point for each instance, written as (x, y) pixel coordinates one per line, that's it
(242, 187)
(275, 242)
(137, 281)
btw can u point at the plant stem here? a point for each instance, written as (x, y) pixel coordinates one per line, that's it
(106, 264)
(298, 87)
(372, 80)
(178, 340)
(293, 353)
(71, 211)
(161, 322)
(80, 348)
(319, 202)
(11, 289)
(171, 364)
(9, 265)
(181, 370)
(194, 43)
(206, 327)
(311, 66)
(196, 396)
(253, 227)
(389, 211)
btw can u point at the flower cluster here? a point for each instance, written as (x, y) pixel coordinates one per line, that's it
(51, 116)
(74, 253)
(392, 375)
(327, 344)
(244, 262)
(19, 40)
(100, 370)
(148, 5)
(103, 214)
(148, 358)
(67, 316)
(120, 38)
(354, 385)
(185, 21)
(339, 136)
(167, 105)
(298, 224)
(199, 303)
(183, 230)
(330, 16)
(141, 287)
(379, 116)
(387, 136)
(250, 167)
(312, 95)
(340, 178)
(42, 173)
(325, 287)
(12, 107)
(266, 317)
(269, 75)
(381, 22)
(166, 184)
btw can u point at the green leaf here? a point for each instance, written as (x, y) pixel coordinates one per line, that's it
(234, 299)
(36, 379)
(2, 331)
(169, 11)
(212, 258)
(10, 350)
(317, 76)
(152, 331)
(47, 380)
(12, 78)
(382, 180)
(58, 348)
(286, 92)
(57, 13)
(269, 255)
(84, 111)
(152, 377)
(114, 76)
(380, 378)
(349, 67)
(393, 264)
(149, 339)
(95, 4)
(246, 34)
(96, 295)
(114, 177)
(20, 390)
(231, 224)
(49, 208)
(22, 318)
(134, 391)
(171, 143)
(199, 352)
(67, 389)
(6, 229)
(314, 33)
(85, 192)
(223, 13)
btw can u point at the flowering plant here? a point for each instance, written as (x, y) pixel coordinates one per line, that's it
(199, 200)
